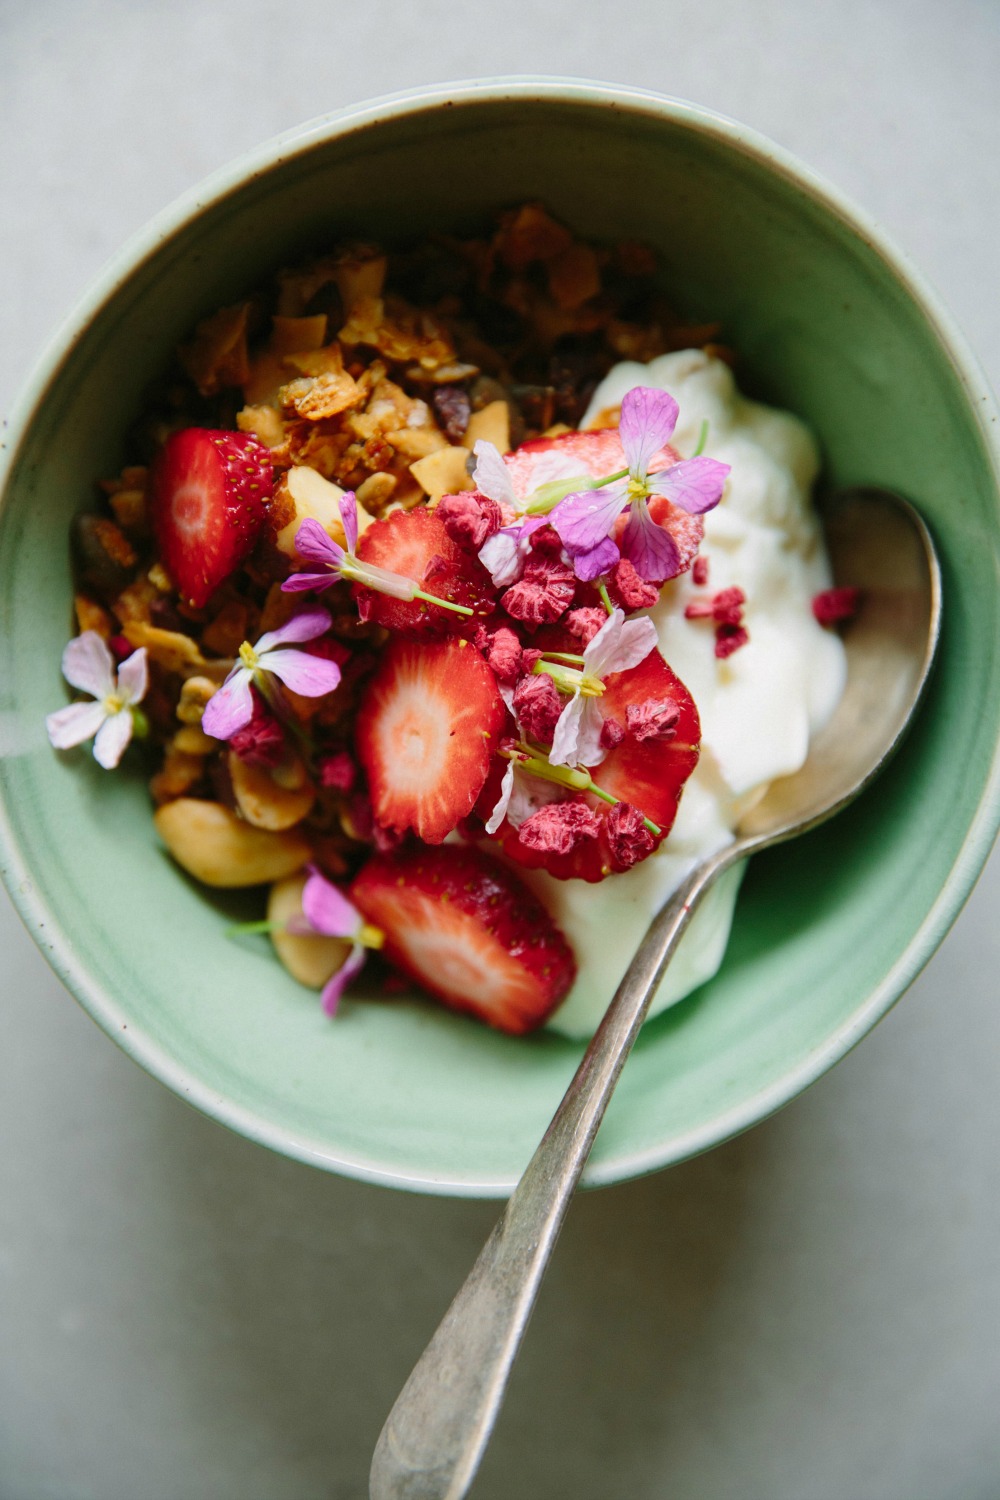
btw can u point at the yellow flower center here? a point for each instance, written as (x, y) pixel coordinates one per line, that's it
(248, 656)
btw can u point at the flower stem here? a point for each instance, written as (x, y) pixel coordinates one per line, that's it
(702, 439)
(460, 609)
(602, 589)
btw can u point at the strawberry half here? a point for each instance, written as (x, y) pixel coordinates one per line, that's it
(416, 544)
(426, 733)
(599, 452)
(210, 494)
(647, 773)
(468, 931)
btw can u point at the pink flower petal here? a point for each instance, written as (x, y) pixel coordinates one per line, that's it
(309, 675)
(566, 735)
(336, 986)
(230, 708)
(585, 519)
(328, 910)
(590, 565)
(620, 645)
(591, 749)
(491, 475)
(694, 485)
(305, 626)
(503, 801)
(349, 516)
(298, 583)
(112, 739)
(87, 664)
(133, 677)
(650, 549)
(313, 544)
(72, 725)
(647, 424)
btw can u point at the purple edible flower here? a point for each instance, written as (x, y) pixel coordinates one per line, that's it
(232, 705)
(328, 913)
(585, 520)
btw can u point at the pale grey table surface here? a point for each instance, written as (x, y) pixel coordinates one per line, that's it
(809, 1313)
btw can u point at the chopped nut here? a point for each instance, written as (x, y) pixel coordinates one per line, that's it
(375, 492)
(170, 649)
(129, 507)
(179, 773)
(264, 801)
(192, 740)
(443, 472)
(220, 849)
(264, 422)
(309, 958)
(490, 424)
(195, 693)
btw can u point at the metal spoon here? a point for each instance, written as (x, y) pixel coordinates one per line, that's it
(437, 1432)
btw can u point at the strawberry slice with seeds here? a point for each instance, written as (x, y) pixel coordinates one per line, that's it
(599, 452)
(645, 773)
(426, 733)
(469, 932)
(210, 493)
(416, 544)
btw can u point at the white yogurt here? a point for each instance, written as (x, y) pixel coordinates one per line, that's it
(758, 708)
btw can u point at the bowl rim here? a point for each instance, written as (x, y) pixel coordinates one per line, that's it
(43, 923)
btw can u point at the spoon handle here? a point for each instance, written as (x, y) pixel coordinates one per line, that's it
(437, 1432)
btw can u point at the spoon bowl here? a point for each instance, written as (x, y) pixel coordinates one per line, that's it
(438, 1429)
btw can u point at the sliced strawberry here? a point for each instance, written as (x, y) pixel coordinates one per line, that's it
(416, 544)
(465, 928)
(649, 774)
(599, 453)
(426, 732)
(568, 456)
(210, 493)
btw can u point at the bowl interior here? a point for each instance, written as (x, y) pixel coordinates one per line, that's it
(829, 930)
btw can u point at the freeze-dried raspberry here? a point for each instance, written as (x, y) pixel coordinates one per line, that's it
(612, 734)
(559, 827)
(699, 571)
(729, 638)
(628, 590)
(725, 607)
(656, 719)
(544, 592)
(261, 741)
(337, 772)
(469, 518)
(436, 565)
(537, 706)
(629, 840)
(585, 623)
(502, 651)
(547, 541)
(834, 605)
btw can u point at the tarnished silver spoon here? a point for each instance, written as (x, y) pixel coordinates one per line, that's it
(436, 1434)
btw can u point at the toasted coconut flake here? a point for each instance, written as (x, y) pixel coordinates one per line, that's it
(217, 356)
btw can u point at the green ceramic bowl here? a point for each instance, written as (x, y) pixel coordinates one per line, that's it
(829, 321)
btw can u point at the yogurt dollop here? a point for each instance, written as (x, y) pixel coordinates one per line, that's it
(759, 707)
